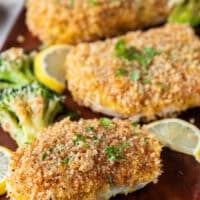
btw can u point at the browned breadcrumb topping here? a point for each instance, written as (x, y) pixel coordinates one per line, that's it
(65, 21)
(173, 76)
(75, 160)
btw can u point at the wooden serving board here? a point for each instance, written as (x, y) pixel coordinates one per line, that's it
(181, 173)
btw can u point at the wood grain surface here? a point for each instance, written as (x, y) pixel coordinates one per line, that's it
(181, 173)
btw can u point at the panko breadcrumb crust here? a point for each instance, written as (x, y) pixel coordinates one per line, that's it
(58, 166)
(66, 21)
(170, 84)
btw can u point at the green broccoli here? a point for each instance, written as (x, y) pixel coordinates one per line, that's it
(25, 111)
(186, 12)
(16, 69)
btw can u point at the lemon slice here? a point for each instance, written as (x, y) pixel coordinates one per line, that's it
(4, 162)
(49, 67)
(178, 135)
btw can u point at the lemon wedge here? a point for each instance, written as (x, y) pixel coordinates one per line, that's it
(178, 135)
(5, 155)
(49, 67)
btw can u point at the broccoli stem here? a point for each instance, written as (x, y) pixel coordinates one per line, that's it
(5, 85)
(28, 70)
(10, 124)
(54, 108)
(15, 77)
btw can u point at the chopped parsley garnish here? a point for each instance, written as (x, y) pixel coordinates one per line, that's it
(122, 51)
(86, 146)
(79, 138)
(44, 155)
(162, 86)
(150, 52)
(134, 75)
(116, 152)
(145, 140)
(146, 81)
(94, 137)
(145, 58)
(65, 161)
(136, 134)
(74, 115)
(89, 128)
(131, 53)
(105, 122)
(51, 150)
(27, 141)
(120, 72)
(134, 124)
(93, 2)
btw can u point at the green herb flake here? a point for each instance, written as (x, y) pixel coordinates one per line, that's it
(122, 51)
(27, 142)
(74, 115)
(145, 140)
(94, 137)
(144, 61)
(162, 86)
(134, 75)
(51, 150)
(120, 72)
(89, 128)
(131, 53)
(116, 152)
(134, 124)
(79, 138)
(105, 122)
(93, 2)
(135, 133)
(44, 155)
(149, 51)
(146, 81)
(65, 161)
(86, 146)
(120, 48)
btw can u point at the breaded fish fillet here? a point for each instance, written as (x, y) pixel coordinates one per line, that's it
(67, 21)
(139, 75)
(87, 160)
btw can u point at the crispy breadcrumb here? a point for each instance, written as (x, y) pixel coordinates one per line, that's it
(139, 75)
(84, 160)
(66, 21)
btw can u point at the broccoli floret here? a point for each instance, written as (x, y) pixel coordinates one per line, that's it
(25, 111)
(186, 12)
(16, 69)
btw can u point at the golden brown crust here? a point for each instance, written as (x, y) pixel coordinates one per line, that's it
(173, 75)
(59, 166)
(61, 22)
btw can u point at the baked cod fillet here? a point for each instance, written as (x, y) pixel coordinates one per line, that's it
(138, 75)
(67, 21)
(87, 160)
